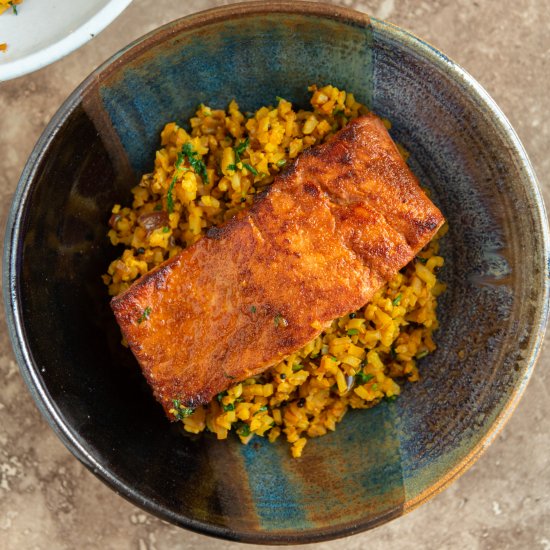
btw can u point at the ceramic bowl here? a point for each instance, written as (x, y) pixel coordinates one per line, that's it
(379, 463)
(39, 33)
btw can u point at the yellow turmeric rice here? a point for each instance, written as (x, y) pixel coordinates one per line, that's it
(358, 360)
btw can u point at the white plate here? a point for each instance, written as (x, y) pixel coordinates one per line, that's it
(46, 30)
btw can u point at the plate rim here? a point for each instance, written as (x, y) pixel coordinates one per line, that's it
(73, 41)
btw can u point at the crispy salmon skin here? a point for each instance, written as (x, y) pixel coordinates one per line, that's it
(327, 234)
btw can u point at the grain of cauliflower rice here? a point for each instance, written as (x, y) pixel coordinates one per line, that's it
(230, 156)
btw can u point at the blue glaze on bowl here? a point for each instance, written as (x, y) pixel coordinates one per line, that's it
(250, 59)
(379, 462)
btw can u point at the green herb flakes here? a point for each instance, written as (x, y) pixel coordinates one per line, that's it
(363, 378)
(177, 173)
(197, 164)
(280, 321)
(243, 429)
(145, 315)
(352, 332)
(397, 299)
(240, 149)
(252, 309)
(180, 411)
(250, 168)
(187, 152)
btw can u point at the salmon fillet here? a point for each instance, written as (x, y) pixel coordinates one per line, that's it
(327, 234)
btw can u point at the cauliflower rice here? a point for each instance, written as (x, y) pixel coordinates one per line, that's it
(204, 177)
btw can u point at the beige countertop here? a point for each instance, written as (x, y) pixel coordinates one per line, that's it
(49, 500)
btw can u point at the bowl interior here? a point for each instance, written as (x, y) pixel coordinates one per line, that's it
(378, 462)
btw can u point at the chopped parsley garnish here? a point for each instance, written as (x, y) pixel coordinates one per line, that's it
(243, 429)
(334, 359)
(197, 164)
(253, 309)
(165, 229)
(337, 112)
(14, 8)
(158, 207)
(229, 407)
(232, 167)
(422, 354)
(390, 397)
(220, 396)
(251, 169)
(240, 149)
(145, 315)
(177, 172)
(280, 321)
(352, 332)
(180, 411)
(374, 387)
(279, 98)
(363, 378)
(421, 260)
(296, 367)
(397, 299)
(261, 409)
(281, 163)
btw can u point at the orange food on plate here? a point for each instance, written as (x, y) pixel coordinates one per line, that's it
(7, 4)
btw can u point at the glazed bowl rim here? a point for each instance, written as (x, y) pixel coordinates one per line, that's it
(13, 247)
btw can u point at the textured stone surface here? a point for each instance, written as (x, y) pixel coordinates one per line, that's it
(47, 499)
